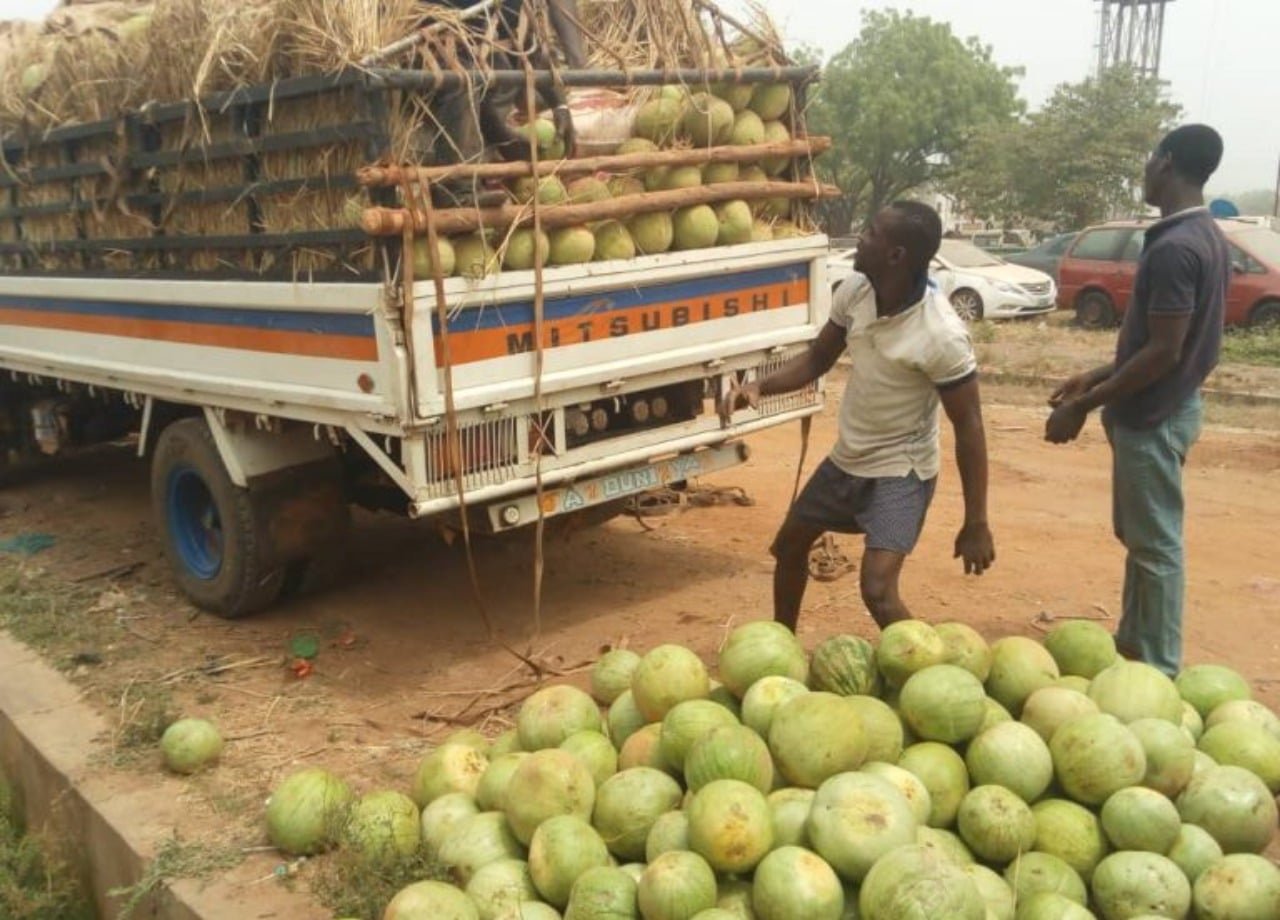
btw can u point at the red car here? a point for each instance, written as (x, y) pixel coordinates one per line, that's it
(1095, 277)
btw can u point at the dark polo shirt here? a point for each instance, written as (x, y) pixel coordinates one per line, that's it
(1185, 268)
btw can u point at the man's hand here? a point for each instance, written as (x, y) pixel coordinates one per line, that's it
(976, 546)
(563, 120)
(1065, 423)
(1073, 388)
(739, 396)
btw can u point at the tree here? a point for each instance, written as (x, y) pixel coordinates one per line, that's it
(1259, 202)
(1075, 162)
(899, 101)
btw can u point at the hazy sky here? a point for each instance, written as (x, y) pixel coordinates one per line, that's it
(1220, 57)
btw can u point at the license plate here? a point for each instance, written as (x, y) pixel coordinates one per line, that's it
(613, 486)
(621, 484)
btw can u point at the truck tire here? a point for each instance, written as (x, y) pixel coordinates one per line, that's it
(207, 524)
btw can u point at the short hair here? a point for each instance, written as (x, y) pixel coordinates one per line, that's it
(1195, 151)
(918, 229)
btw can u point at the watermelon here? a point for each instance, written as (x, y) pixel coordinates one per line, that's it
(845, 665)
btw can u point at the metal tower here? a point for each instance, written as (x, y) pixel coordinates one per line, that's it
(1130, 33)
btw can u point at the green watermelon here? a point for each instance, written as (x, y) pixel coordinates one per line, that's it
(846, 665)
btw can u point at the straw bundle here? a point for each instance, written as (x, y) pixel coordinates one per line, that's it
(96, 61)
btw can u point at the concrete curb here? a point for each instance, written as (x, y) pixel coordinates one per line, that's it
(114, 821)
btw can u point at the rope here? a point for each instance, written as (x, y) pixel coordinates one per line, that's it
(453, 444)
(806, 425)
(538, 357)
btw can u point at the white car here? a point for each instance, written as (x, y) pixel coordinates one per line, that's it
(979, 285)
(982, 286)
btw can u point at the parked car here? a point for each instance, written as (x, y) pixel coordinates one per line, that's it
(979, 285)
(1097, 273)
(1046, 256)
(1003, 241)
(983, 286)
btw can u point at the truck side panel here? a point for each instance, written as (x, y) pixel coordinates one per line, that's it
(298, 350)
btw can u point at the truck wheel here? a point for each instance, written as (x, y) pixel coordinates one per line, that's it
(208, 525)
(1094, 310)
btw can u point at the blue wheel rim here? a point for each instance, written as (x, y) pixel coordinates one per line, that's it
(195, 528)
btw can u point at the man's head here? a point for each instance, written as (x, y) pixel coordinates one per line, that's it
(900, 239)
(1186, 156)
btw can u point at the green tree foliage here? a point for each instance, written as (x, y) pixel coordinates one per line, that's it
(1259, 202)
(1075, 162)
(899, 102)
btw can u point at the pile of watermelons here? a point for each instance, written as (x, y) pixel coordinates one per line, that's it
(929, 776)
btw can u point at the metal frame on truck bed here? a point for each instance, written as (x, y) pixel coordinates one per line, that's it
(276, 375)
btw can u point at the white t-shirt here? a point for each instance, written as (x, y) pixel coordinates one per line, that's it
(889, 413)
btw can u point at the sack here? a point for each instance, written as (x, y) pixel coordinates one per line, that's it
(602, 120)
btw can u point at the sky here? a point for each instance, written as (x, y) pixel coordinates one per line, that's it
(1220, 57)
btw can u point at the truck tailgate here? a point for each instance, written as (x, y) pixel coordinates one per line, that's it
(609, 320)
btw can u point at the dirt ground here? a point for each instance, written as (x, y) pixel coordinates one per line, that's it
(405, 656)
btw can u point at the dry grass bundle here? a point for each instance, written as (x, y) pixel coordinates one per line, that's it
(82, 65)
(321, 202)
(94, 61)
(44, 229)
(327, 37)
(198, 172)
(24, 54)
(646, 34)
(196, 47)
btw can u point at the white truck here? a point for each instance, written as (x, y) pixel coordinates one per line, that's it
(268, 405)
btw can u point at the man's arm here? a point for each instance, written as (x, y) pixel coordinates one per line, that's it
(1080, 384)
(1167, 334)
(1161, 354)
(963, 406)
(800, 371)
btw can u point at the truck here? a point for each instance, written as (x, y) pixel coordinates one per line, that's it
(271, 389)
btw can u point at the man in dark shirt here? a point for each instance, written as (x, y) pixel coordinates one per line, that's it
(1168, 345)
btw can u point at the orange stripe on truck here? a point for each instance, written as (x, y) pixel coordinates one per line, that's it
(499, 342)
(271, 341)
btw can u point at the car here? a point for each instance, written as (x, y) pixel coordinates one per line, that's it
(1097, 273)
(983, 286)
(1045, 256)
(1002, 241)
(978, 284)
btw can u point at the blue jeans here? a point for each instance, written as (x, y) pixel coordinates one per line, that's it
(1147, 510)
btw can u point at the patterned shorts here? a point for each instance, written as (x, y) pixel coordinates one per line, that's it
(889, 510)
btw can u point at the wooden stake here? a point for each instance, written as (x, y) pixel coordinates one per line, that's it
(378, 176)
(392, 221)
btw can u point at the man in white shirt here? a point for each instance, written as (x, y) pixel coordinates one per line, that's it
(909, 352)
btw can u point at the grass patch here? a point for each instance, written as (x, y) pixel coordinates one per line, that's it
(175, 859)
(51, 616)
(74, 630)
(351, 888)
(35, 882)
(145, 711)
(1259, 347)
